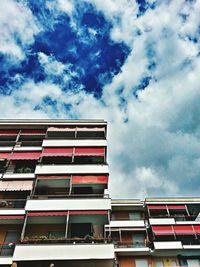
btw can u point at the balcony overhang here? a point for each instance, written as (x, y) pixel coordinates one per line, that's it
(12, 176)
(162, 221)
(168, 245)
(126, 223)
(5, 261)
(74, 143)
(64, 252)
(173, 248)
(132, 251)
(72, 169)
(68, 204)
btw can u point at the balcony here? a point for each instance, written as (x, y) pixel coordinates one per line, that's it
(73, 155)
(187, 234)
(70, 186)
(72, 132)
(72, 227)
(183, 212)
(129, 241)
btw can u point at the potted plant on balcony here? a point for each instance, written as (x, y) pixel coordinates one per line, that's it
(88, 238)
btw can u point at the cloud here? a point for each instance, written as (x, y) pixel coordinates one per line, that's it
(17, 28)
(50, 64)
(150, 95)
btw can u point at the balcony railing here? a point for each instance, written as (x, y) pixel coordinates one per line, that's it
(12, 203)
(7, 249)
(45, 240)
(70, 196)
(130, 244)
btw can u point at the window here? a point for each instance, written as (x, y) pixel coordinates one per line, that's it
(159, 263)
(174, 263)
(25, 166)
(141, 263)
(10, 238)
(193, 262)
(138, 239)
(165, 262)
(81, 229)
(2, 165)
(135, 215)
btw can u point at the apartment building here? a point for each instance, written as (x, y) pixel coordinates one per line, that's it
(55, 209)
(53, 193)
(156, 232)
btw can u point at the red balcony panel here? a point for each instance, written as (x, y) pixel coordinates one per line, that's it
(163, 230)
(4, 155)
(90, 151)
(86, 212)
(197, 229)
(57, 152)
(89, 179)
(49, 177)
(9, 132)
(30, 155)
(47, 213)
(163, 207)
(184, 230)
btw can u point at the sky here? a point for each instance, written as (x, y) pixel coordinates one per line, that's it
(134, 63)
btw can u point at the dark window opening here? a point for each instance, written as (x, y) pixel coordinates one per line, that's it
(82, 190)
(31, 138)
(158, 213)
(2, 165)
(56, 160)
(88, 159)
(92, 134)
(25, 166)
(81, 230)
(7, 143)
(11, 237)
(44, 190)
(61, 135)
(8, 138)
(30, 143)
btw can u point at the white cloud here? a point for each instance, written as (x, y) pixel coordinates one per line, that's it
(17, 28)
(154, 145)
(65, 6)
(51, 66)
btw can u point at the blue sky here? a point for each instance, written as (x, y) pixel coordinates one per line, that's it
(134, 63)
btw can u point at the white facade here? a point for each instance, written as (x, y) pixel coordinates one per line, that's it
(126, 223)
(72, 169)
(63, 252)
(68, 204)
(74, 143)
